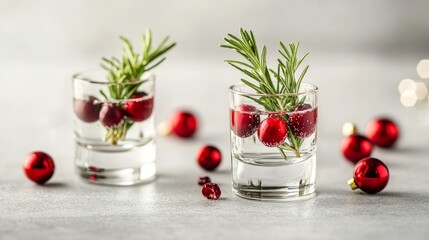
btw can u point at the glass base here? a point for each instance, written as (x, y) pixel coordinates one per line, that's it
(266, 179)
(121, 165)
(121, 177)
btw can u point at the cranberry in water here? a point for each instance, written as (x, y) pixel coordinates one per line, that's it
(138, 109)
(87, 109)
(111, 115)
(211, 191)
(244, 120)
(303, 120)
(272, 131)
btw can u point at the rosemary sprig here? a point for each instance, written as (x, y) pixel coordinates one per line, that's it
(283, 80)
(129, 69)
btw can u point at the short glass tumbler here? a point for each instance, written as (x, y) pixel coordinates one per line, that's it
(273, 143)
(114, 129)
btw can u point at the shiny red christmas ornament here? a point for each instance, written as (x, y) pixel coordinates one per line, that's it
(211, 191)
(39, 167)
(138, 108)
(272, 131)
(244, 120)
(303, 120)
(183, 124)
(383, 132)
(204, 180)
(370, 175)
(356, 147)
(111, 115)
(87, 109)
(209, 157)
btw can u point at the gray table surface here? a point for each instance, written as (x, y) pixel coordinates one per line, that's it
(39, 117)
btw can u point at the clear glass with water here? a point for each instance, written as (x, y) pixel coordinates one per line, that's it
(115, 138)
(273, 151)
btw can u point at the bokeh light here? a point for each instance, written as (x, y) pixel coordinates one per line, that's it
(409, 98)
(407, 84)
(423, 68)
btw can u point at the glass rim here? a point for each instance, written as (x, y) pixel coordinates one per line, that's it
(232, 89)
(81, 76)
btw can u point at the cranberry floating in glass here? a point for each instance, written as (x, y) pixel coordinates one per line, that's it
(115, 138)
(273, 152)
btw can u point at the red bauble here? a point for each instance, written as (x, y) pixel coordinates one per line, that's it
(111, 115)
(209, 157)
(184, 124)
(272, 131)
(87, 109)
(356, 147)
(303, 120)
(211, 191)
(204, 180)
(137, 108)
(244, 120)
(382, 132)
(39, 167)
(370, 175)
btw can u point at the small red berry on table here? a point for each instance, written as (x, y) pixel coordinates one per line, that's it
(211, 191)
(204, 180)
(39, 167)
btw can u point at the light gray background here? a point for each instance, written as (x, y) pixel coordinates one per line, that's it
(360, 50)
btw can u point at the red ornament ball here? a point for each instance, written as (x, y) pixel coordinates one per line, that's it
(204, 180)
(383, 132)
(111, 115)
(139, 107)
(183, 124)
(303, 120)
(87, 109)
(244, 120)
(370, 175)
(211, 191)
(39, 167)
(356, 147)
(209, 157)
(272, 131)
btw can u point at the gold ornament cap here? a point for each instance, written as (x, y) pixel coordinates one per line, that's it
(164, 128)
(349, 129)
(352, 184)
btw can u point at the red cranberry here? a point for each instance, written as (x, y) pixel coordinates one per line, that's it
(39, 167)
(209, 157)
(272, 131)
(111, 115)
(183, 124)
(204, 180)
(211, 191)
(138, 109)
(303, 120)
(87, 109)
(356, 147)
(244, 120)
